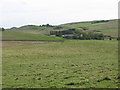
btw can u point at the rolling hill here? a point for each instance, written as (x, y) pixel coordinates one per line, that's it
(42, 32)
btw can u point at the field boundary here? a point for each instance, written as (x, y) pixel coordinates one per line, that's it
(34, 40)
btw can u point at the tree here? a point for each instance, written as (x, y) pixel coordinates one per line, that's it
(47, 25)
(3, 29)
(110, 38)
(59, 34)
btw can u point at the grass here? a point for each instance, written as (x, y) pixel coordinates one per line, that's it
(69, 64)
(15, 35)
(107, 28)
(110, 28)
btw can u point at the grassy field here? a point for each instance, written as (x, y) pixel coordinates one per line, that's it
(66, 64)
(69, 64)
(15, 35)
(108, 28)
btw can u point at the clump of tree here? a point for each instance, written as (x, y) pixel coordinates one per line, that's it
(2, 29)
(63, 32)
(78, 34)
(96, 31)
(84, 28)
(59, 35)
(87, 35)
(47, 25)
(101, 21)
(118, 38)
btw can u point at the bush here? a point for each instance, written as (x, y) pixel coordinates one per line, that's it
(59, 35)
(3, 29)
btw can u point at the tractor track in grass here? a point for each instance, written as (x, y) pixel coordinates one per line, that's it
(34, 40)
(12, 43)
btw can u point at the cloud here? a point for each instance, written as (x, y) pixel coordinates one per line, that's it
(18, 12)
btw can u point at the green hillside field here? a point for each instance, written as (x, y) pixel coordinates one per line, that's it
(15, 35)
(108, 28)
(34, 32)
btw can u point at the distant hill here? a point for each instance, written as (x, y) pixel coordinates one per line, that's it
(108, 27)
(43, 32)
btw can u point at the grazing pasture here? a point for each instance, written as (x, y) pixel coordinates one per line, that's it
(69, 64)
(35, 32)
(15, 35)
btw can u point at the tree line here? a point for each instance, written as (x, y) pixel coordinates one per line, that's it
(81, 34)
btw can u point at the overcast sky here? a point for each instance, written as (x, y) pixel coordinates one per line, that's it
(15, 13)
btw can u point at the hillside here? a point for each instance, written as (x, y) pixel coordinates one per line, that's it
(108, 28)
(43, 32)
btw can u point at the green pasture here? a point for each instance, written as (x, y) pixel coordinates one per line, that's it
(15, 35)
(69, 64)
(107, 28)
(35, 31)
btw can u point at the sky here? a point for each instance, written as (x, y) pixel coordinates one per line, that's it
(16, 13)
